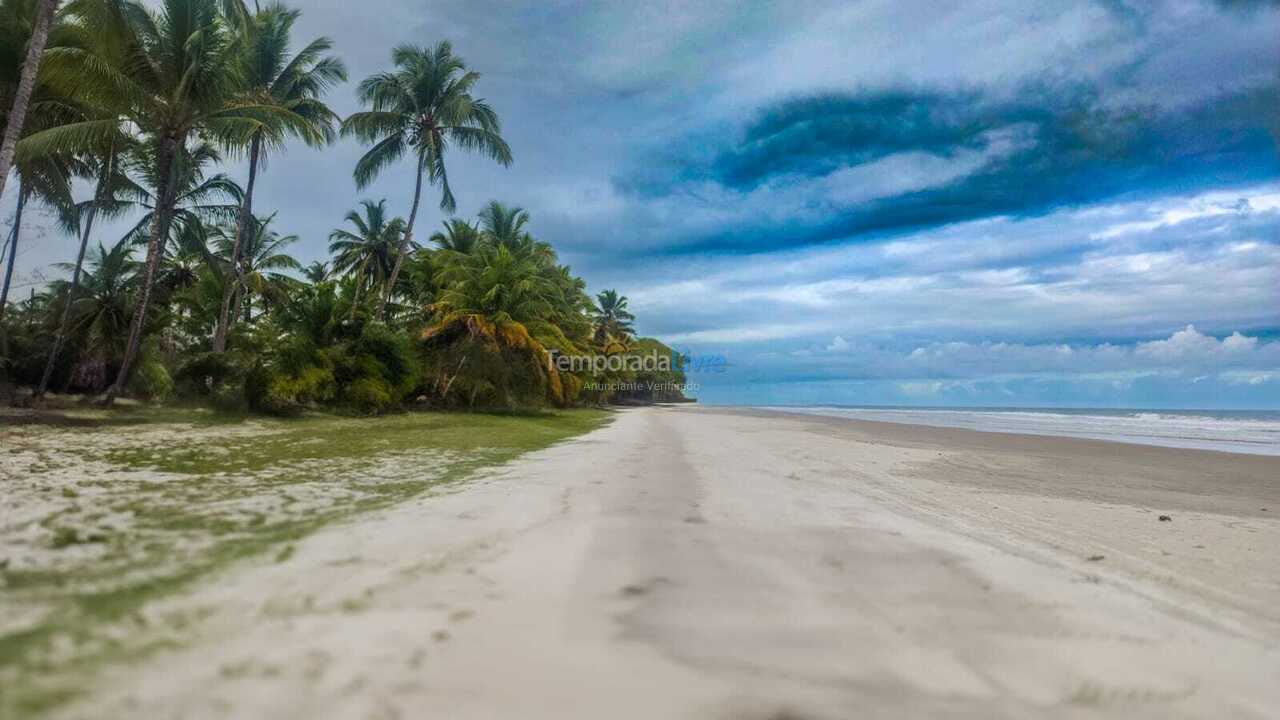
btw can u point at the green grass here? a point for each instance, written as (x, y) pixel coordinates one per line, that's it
(193, 492)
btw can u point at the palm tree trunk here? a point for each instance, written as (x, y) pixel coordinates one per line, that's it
(404, 244)
(155, 244)
(107, 170)
(26, 86)
(235, 306)
(355, 301)
(8, 276)
(13, 249)
(242, 226)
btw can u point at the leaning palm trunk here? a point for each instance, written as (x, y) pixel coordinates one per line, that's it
(355, 301)
(107, 169)
(155, 245)
(234, 313)
(242, 226)
(404, 244)
(26, 86)
(8, 274)
(13, 249)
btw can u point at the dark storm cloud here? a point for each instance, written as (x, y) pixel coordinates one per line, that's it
(1045, 150)
(814, 136)
(1248, 4)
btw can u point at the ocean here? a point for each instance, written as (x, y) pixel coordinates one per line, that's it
(1254, 432)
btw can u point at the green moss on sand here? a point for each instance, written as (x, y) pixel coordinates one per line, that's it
(197, 491)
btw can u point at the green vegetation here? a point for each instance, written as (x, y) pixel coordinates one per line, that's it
(135, 506)
(202, 301)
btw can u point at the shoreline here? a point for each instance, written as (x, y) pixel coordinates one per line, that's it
(1267, 447)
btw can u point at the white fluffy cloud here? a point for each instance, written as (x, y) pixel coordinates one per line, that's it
(1049, 277)
(1185, 351)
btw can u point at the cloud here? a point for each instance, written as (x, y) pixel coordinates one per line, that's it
(1187, 351)
(838, 344)
(1023, 280)
(1248, 4)
(1188, 356)
(845, 165)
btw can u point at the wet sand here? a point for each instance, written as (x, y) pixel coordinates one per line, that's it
(701, 563)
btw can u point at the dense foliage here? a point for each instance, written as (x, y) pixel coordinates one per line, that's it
(202, 299)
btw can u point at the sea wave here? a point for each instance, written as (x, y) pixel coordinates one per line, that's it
(1241, 432)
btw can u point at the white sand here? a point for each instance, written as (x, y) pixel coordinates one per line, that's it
(687, 563)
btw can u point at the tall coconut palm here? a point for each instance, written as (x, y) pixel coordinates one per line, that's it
(16, 14)
(422, 108)
(111, 181)
(612, 319)
(170, 72)
(40, 176)
(369, 252)
(46, 178)
(103, 162)
(294, 86)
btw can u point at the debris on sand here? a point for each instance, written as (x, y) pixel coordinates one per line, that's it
(1165, 518)
(1096, 558)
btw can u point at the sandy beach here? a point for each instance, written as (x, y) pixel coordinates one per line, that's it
(703, 563)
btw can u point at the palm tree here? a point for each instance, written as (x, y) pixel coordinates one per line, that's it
(101, 312)
(46, 178)
(314, 312)
(200, 202)
(422, 107)
(494, 299)
(459, 236)
(493, 288)
(293, 86)
(573, 307)
(613, 320)
(316, 272)
(171, 73)
(111, 181)
(261, 262)
(369, 253)
(41, 14)
(503, 224)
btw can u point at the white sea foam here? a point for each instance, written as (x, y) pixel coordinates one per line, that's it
(1240, 432)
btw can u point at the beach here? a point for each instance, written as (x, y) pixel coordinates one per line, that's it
(687, 562)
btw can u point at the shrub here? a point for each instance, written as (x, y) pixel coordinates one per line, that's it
(291, 394)
(476, 373)
(388, 354)
(151, 381)
(206, 373)
(369, 395)
(376, 370)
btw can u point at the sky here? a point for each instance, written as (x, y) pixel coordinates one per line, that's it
(979, 203)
